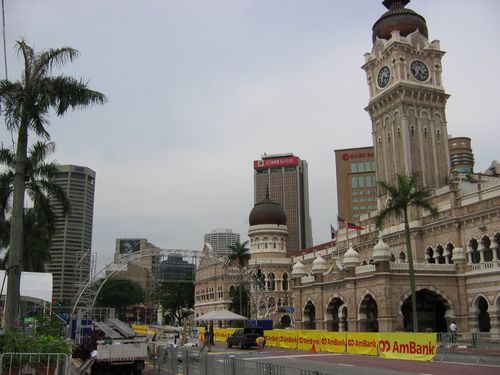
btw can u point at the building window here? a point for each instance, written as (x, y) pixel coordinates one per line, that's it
(354, 182)
(361, 181)
(354, 167)
(361, 167)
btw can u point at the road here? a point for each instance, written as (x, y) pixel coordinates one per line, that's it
(449, 363)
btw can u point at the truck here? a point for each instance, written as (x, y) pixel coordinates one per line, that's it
(244, 337)
(114, 348)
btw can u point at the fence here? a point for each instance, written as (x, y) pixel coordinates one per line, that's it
(35, 364)
(173, 361)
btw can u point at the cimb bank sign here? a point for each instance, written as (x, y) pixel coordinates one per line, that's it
(288, 161)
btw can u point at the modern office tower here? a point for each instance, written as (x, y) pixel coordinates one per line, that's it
(356, 184)
(70, 252)
(220, 239)
(175, 268)
(285, 177)
(145, 269)
(461, 156)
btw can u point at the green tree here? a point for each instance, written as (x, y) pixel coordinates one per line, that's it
(176, 297)
(39, 221)
(25, 104)
(120, 293)
(240, 298)
(405, 194)
(241, 254)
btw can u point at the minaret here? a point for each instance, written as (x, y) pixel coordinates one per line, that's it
(407, 99)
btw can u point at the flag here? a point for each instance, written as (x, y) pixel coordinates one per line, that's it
(332, 231)
(348, 224)
(354, 226)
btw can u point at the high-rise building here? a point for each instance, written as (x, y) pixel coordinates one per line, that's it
(356, 183)
(220, 239)
(71, 245)
(461, 155)
(285, 177)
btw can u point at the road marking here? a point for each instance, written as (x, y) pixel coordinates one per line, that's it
(346, 364)
(290, 357)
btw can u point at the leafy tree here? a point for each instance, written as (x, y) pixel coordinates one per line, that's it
(120, 293)
(176, 297)
(39, 221)
(241, 254)
(405, 194)
(237, 306)
(25, 104)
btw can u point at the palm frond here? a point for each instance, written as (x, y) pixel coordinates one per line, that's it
(55, 57)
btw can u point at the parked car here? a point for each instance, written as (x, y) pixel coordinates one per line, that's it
(244, 337)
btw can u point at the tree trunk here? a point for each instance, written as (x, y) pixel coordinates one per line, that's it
(412, 273)
(16, 231)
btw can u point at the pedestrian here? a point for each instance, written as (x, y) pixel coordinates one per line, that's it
(205, 340)
(260, 341)
(453, 330)
(212, 343)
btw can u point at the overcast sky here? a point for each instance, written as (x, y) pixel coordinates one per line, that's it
(199, 89)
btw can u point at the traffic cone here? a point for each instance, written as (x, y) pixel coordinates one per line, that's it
(313, 348)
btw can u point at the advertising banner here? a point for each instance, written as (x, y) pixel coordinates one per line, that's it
(310, 340)
(221, 334)
(282, 338)
(362, 342)
(333, 342)
(413, 346)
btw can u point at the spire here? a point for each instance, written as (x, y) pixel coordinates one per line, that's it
(395, 4)
(267, 191)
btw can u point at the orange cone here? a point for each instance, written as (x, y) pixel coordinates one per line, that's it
(313, 348)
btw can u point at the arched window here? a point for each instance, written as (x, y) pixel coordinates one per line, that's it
(402, 257)
(285, 282)
(271, 284)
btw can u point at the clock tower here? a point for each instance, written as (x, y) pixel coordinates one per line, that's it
(407, 98)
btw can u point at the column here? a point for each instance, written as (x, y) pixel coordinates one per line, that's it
(469, 255)
(481, 250)
(494, 249)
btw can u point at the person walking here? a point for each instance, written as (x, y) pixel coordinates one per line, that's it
(453, 330)
(260, 341)
(205, 340)
(212, 343)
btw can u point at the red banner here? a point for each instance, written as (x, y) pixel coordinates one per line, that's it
(288, 161)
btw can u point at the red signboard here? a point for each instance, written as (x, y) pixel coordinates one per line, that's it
(287, 161)
(357, 155)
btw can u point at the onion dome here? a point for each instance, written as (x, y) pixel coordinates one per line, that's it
(398, 18)
(381, 251)
(298, 269)
(458, 254)
(351, 258)
(319, 265)
(267, 212)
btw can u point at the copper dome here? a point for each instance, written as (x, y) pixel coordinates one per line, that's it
(398, 18)
(267, 212)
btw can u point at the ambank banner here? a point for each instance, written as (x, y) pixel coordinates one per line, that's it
(282, 338)
(417, 347)
(362, 342)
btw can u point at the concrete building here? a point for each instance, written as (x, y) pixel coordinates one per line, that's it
(71, 245)
(175, 268)
(356, 182)
(285, 177)
(361, 282)
(220, 239)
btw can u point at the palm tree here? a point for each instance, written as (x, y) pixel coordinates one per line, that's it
(25, 105)
(39, 221)
(241, 254)
(405, 194)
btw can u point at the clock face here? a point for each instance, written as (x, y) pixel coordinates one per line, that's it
(383, 76)
(419, 70)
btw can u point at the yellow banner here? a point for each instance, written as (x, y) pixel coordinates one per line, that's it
(143, 329)
(221, 334)
(333, 342)
(310, 340)
(362, 342)
(282, 338)
(413, 346)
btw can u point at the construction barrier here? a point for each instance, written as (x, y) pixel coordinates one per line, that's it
(413, 346)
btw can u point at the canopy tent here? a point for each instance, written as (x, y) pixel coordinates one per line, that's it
(220, 315)
(35, 286)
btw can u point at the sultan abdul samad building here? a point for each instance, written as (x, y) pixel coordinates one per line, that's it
(361, 283)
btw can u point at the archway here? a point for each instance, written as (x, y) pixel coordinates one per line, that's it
(334, 320)
(309, 316)
(431, 309)
(483, 317)
(285, 321)
(368, 314)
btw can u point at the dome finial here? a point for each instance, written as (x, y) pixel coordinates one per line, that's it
(394, 3)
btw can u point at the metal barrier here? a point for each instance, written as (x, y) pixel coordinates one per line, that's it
(173, 361)
(35, 364)
(481, 344)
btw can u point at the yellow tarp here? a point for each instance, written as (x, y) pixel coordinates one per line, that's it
(362, 342)
(416, 347)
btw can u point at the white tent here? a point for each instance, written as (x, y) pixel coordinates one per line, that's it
(35, 286)
(220, 315)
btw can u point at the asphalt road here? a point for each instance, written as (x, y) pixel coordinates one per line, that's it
(448, 363)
